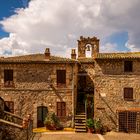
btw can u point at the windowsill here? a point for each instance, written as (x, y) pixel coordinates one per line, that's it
(128, 71)
(9, 84)
(61, 85)
(129, 100)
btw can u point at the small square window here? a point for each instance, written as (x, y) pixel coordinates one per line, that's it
(61, 109)
(128, 66)
(9, 106)
(61, 78)
(128, 94)
(8, 78)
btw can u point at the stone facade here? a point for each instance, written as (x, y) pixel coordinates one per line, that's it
(35, 82)
(35, 85)
(110, 84)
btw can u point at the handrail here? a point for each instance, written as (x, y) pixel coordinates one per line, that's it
(13, 115)
(11, 123)
(11, 118)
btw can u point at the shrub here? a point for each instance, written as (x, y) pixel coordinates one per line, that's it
(90, 123)
(52, 122)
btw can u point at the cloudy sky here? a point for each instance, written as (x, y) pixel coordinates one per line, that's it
(31, 27)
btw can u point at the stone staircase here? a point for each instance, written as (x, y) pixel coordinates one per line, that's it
(80, 119)
(13, 127)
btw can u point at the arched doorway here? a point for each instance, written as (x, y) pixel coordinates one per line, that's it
(41, 115)
(85, 95)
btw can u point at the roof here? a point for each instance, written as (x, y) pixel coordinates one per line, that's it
(35, 58)
(86, 60)
(127, 55)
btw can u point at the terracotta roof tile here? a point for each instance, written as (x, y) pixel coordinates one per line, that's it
(36, 58)
(118, 55)
(86, 60)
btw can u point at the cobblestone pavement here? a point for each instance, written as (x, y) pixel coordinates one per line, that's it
(121, 136)
(86, 136)
(67, 136)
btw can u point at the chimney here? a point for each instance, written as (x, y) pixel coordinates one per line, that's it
(73, 54)
(47, 53)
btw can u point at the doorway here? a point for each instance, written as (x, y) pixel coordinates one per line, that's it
(85, 93)
(90, 106)
(42, 112)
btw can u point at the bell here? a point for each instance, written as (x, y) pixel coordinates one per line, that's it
(88, 47)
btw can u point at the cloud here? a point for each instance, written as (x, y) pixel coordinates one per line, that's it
(57, 24)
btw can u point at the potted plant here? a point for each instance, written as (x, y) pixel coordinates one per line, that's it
(52, 122)
(97, 126)
(90, 125)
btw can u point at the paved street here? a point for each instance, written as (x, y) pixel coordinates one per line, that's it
(85, 136)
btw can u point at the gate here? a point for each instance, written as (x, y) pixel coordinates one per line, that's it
(129, 121)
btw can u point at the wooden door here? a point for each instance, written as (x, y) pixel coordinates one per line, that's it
(41, 115)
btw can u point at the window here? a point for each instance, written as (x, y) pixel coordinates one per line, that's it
(128, 94)
(61, 77)
(128, 121)
(128, 66)
(8, 78)
(61, 109)
(9, 106)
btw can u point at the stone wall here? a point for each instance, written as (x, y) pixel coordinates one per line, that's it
(110, 81)
(9, 132)
(35, 85)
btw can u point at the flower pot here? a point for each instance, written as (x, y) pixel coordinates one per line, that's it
(90, 130)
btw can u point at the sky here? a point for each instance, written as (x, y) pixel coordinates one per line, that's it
(31, 26)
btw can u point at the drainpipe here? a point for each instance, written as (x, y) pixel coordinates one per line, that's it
(73, 101)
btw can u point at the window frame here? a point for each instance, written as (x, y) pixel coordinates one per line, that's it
(61, 78)
(10, 105)
(130, 91)
(62, 109)
(128, 66)
(8, 78)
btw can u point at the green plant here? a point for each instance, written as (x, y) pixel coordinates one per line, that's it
(97, 125)
(52, 122)
(90, 123)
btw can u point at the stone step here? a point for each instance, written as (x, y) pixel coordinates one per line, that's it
(80, 121)
(80, 127)
(80, 118)
(80, 115)
(80, 124)
(81, 130)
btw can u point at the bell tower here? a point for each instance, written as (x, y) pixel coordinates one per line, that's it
(88, 47)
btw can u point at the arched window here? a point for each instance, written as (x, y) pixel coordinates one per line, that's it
(88, 50)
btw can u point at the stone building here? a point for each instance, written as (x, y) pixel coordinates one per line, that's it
(104, 86)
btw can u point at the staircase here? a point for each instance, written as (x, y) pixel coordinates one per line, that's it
(80, 119)
(13, 127)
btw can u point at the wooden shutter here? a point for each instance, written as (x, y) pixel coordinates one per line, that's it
(58, 108)
(8, 75)
(61, 109)
(61, 76)
(10, 105)
(128, 66)
(128, 94)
